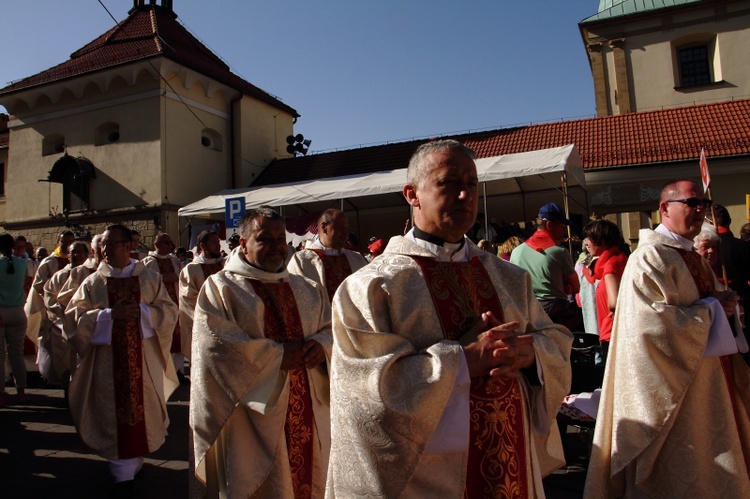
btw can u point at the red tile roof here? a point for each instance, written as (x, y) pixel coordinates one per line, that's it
(149, 31)
(668, 135)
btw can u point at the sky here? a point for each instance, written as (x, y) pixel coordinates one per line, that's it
(359, 73)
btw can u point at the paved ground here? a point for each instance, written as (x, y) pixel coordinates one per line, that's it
(41, 455)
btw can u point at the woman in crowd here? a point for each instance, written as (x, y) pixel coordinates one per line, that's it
(12, 316)
(707, 246)
(505, 249)
(604, 239)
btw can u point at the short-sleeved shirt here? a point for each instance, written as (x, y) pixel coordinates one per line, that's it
(548, 268)
(11, 285)
(613, 262)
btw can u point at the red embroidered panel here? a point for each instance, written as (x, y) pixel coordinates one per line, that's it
(694, 264)
(210, 269)
(461, 292)
(127, 372)
(166, 267)
(336, 269)
(283, 325)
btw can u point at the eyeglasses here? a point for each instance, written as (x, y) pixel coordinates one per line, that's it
(693, 202)
(109, 244)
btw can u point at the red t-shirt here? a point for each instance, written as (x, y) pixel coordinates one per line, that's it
(611, 261)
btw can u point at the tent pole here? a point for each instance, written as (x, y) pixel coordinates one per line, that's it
(567, 208)
(486, 216)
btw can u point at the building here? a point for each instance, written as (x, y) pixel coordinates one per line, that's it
(654, 55)
(140, 121)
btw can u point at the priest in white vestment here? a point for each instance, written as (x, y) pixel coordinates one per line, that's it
(163, 261)
(38, 325)
(326, 259)
(120, 322)
(673, 419)
(192, 276)
(447, 375)
(62, 358)
(259, 400)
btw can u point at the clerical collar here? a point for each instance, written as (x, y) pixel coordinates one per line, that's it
(438, 241)
(684, 243)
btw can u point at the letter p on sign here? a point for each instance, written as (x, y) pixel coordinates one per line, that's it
(235, 209)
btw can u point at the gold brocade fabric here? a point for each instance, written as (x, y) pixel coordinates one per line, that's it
(668, 424)
(461, 292)
(127, 372)
(97, 406)
(192, 277)
(335, 270)
(393, 373)
(168, 266)
(239, 395)
(283, 325)
(310, 264)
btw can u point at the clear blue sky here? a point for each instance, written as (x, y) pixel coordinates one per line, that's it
(358, 72)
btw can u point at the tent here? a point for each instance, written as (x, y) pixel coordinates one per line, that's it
(542, 172)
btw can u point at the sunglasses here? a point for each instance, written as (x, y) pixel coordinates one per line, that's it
(693, 202)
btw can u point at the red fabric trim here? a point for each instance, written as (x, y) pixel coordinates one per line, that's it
(127, 372)
(496, 465)
(336, 268)
(694, 264)
(540, 240)
(283, 325)
(166, 267)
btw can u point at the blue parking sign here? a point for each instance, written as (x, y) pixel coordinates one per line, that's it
(234, 209)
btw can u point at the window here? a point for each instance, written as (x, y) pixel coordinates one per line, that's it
(694, 66)
(53, 144)
(210, 139)
(107, 133)
(75, 175)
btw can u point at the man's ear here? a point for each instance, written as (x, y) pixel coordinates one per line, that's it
(410, 194)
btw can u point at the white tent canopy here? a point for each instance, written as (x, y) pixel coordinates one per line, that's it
(557, 168)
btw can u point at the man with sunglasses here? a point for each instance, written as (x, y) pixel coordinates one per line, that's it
(673, 419)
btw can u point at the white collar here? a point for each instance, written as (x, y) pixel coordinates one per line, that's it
(448, 252)
(318, 244)
(120, 273)
(686, 244)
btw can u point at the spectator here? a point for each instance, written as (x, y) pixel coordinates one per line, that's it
(12, 317)
(603, 242)
(745, 232)
(507, 247)
(553, 275)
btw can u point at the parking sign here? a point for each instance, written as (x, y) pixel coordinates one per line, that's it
(234, 209)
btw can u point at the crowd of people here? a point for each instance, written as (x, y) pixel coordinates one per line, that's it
(424, 366)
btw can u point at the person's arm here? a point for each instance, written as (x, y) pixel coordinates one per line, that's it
(612, 285)
(572, 284)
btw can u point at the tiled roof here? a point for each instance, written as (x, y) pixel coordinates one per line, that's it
(609, 9)
(663, 136)
(149, 31)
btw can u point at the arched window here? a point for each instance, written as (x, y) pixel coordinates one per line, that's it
(53, 144)
(75, 175)
(107, 133)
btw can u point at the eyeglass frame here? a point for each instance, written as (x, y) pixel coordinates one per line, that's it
(113, 243)
(693, 202)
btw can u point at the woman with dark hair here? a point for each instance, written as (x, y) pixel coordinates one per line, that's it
(604, 242)
(12, 316)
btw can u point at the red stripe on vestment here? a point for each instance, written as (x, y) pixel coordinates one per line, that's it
(282, 324)
(127, 372)
(461, 292)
